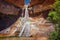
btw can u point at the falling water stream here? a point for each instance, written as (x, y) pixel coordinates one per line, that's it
(25, 24)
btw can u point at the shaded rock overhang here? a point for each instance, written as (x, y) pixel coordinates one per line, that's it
(20, 3)
(14, 6)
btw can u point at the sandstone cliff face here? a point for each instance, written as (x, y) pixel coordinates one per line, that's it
(15, 6)
(20, 3)
(8, 9)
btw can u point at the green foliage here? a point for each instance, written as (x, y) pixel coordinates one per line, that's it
(54, 36)
(54, 16)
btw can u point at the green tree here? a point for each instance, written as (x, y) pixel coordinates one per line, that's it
(54, 16)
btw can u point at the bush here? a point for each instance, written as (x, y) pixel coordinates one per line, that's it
(54, 16)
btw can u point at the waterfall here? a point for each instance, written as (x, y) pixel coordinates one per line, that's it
(25, 24)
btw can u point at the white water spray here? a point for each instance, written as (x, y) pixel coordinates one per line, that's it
(25, 24)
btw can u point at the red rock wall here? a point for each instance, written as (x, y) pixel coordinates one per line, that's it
(20, 3)
(8, 9)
